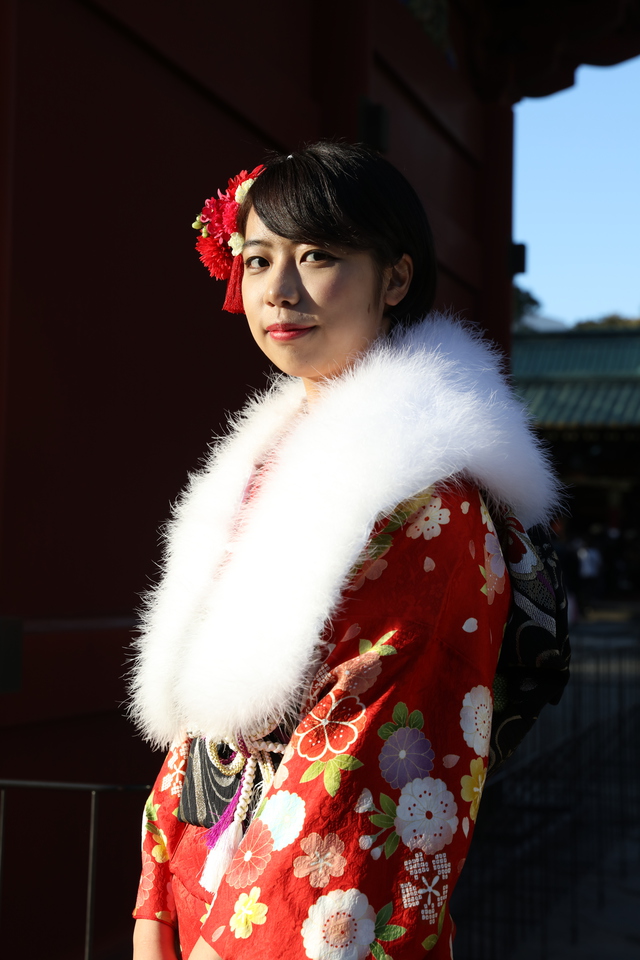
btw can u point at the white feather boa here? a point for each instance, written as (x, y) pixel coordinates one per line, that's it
(230, 635)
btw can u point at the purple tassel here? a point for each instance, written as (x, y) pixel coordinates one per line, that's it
(214, 833)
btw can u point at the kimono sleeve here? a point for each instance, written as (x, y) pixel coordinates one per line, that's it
(358, 844)
(161, 833)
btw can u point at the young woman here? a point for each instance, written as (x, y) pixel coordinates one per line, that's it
(321, 651)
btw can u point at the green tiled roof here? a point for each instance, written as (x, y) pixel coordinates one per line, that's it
(580, 379)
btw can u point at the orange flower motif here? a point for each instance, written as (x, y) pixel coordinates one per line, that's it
(331, 726)
(323, 859)
(252, 856)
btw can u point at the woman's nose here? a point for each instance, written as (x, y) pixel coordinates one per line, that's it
(283, 287)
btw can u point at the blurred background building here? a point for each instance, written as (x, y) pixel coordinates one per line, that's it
(118, 118)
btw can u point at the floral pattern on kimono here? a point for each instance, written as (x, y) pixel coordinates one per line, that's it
(358, 843)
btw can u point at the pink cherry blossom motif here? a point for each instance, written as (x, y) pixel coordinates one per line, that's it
(330, 727)
(323, 859)
(146, 879)
(171, 900)
(494, 567)
(428, 520)
(370, 570)
(359, 674)
(281, 775)
(252, 856)
(494, 553)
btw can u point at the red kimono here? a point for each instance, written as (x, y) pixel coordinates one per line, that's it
(357, 845)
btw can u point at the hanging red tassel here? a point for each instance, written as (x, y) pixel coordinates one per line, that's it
(233, 300)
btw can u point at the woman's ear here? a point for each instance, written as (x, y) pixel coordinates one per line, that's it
(399, 280)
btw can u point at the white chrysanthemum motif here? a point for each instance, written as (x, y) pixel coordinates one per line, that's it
(284, 815)
(427, 521)
(339, 926)
(426, 815)
(475, 719)
(364, 802)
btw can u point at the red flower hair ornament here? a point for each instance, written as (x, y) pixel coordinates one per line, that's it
(219, 243)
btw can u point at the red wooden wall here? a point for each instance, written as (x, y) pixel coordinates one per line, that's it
(120, 117)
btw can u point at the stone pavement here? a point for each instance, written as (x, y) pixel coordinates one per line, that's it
(607, 916)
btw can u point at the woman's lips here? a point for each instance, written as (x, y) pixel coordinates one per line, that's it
(287, 331)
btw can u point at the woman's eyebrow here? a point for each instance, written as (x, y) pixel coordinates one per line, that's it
(256, 243)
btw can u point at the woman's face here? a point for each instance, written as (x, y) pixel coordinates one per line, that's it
(312, 309)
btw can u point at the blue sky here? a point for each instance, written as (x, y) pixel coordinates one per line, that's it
(577, 194)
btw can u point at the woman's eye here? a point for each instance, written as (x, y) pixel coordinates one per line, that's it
(317, 256)
(256, 261)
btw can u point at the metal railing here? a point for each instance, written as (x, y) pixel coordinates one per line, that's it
(95, 789)
(560, 812)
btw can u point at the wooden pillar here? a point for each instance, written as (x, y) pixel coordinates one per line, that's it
(7, 108)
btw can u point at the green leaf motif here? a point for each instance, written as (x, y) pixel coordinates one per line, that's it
(386, 730)
(443, 914)
(381, 820)
(377, 951)
(430, 942)
(151, 809)
(382, 917)
(387, 805)
(364, 646)
(416, 720)
(391, 844)
(346, 762)
(387, 650)
(392, 932)
(261, 807)
(383, 639)
(393, 525)
(400, 714)
(313, 771)
(332, 778)
(379, 545)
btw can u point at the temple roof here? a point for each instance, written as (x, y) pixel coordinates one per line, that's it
(579, 378)
(532, 48)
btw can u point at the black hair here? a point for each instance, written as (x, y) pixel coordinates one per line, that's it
(348, 195)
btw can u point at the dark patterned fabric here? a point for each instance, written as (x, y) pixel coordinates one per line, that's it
(533, 668)
(207, 792)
